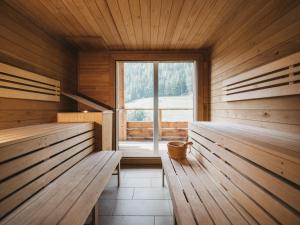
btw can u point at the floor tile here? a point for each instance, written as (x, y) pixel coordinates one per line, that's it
(151, 193)
(164, 220)
(157, 182)
(143, 173)
(117, 193)
(171, 206)
(141, 199)
(127, 220)
(142, 207)
(113, 182)
(136, 182)
(106, 206)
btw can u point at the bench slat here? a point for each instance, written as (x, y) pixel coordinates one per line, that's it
(14, 166)
(278, 187)
(61, 202)
(203, 175)
(197, 207)
(252, 208)
(200, 179)
(48, 173)
(276, 162)
(24, 144)
(84, 204)
(180, 205)
(17, 198)
(55, 192)
(9, 186)
(275, 208)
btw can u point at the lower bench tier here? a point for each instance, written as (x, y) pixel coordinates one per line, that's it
(223, 181)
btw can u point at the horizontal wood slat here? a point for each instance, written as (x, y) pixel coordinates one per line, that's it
(20, 141)
(29, 163)
(256, 167)
(278, 78)
(22, 84)
(168, 130)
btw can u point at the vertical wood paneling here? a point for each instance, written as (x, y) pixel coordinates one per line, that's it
(271, 33)
(96, 77)
(24, 45)
(97, 73)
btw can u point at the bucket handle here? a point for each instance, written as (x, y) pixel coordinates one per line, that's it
(188, 144)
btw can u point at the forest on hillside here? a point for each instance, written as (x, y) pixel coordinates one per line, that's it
(175, 79)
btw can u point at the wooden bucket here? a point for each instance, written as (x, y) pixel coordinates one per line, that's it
(177, 150)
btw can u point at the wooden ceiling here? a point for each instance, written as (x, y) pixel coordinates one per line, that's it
(141, 24)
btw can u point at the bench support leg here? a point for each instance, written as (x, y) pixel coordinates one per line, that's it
(174, 219)
(163, 177)
(119, 173)
(95, 215)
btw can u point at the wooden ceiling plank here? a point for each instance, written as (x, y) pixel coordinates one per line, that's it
(127, 21)
(146, 20)
(85, 12)
(109, 21)
(79, 18)
(200, 20)
(164, 20)
(135, 9)
(62, 11)
(174, 14)
(157, 24)
(182, 19)
(113, 41)
(193, 15)
(209, 25)
(36, 16)
(155, 18)
(118, 20)
(60, 20)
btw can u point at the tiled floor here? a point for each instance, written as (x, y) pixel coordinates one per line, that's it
(140, 200)
(140, 148)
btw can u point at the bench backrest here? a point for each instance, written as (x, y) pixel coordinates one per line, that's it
(258, 168)
(32, 157)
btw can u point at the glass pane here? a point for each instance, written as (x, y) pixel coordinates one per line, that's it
(138, 85)
(139, 115)
(177, 115)
(175, 91)
(138, 107)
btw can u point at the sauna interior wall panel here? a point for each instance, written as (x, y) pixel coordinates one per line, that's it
(270, 34)
(96, 77)
(96, 71)
(24, 45)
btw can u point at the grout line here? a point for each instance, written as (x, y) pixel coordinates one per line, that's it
(133, 193)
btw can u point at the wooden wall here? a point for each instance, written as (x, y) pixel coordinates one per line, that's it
(24, 45)
(269, 34)
(97, 73)
(96, 77)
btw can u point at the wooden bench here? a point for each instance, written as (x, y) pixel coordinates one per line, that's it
(236, 175)
(50, 174)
